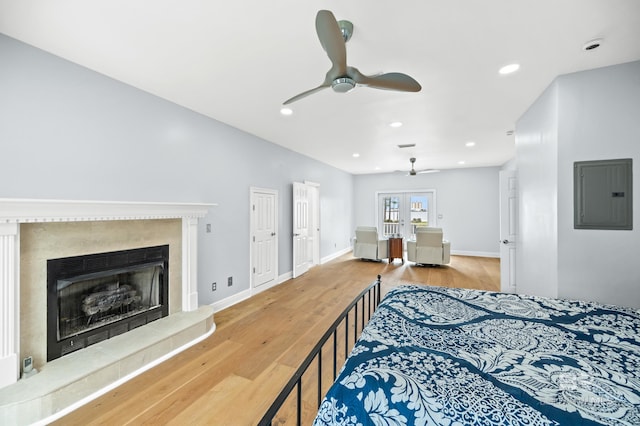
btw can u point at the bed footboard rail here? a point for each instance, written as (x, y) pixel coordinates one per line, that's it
(359, 311)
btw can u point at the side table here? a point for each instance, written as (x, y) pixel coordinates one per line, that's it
(395, 249)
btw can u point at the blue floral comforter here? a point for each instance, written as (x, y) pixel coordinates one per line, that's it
(443, 356)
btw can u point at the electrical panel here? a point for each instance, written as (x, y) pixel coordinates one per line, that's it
(602, 194)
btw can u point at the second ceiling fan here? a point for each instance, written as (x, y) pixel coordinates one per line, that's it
(414, 172)
(342, 78)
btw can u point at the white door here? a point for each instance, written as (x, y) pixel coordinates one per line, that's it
(402, 212)
(508, 229)
(314, 222)
(301, 253)
(264, 240)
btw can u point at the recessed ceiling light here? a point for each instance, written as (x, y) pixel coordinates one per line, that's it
(508, 69)
(377, 168)
(396, 124)
(461, 162)
(470, 144)
(356, 155)
(286, 111)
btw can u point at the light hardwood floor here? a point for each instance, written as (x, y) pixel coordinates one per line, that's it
(232, 377)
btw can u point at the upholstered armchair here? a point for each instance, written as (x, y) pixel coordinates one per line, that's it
(429, 248)
(367, 245)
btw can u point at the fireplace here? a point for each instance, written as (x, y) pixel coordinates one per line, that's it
(35, 231)
(94, 297)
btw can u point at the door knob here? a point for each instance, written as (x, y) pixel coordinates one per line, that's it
(505, 241)
(273, 234)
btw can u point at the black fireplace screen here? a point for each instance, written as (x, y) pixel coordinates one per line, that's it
(92, 298)
(91, 301)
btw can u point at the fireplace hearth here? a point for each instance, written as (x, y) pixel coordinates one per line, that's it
(94, 297)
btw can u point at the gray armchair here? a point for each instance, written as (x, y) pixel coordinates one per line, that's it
(429, 248)
(366, 245)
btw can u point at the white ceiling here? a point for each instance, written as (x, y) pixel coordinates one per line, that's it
(237, 61)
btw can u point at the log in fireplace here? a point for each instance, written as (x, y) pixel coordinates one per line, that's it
(94, 297)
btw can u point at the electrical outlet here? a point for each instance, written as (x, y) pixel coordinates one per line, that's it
(229, 281)
(214, 286)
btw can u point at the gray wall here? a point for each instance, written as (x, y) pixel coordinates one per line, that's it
(591, 115)
(537, 165)
(599, 118)
(467, 199)
(69, 133)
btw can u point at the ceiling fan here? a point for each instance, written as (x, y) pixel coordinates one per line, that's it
(414, 172)
(333, 36)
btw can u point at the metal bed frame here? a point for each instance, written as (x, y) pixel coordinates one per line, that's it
(368, 300)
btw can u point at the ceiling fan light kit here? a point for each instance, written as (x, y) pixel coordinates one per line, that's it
(333, 36)
(343, 84)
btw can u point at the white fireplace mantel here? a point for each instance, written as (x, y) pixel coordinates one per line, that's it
(13, 212)
(27, 211)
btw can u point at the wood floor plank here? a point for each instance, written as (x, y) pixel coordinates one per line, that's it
(223, 394)
(233, 376)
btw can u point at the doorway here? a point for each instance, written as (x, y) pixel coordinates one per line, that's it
(306, 226)
(264, 236)
(314, 221)
(399, 213)
(508, 229)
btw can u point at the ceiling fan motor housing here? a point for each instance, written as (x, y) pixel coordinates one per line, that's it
(343, 84)
(412, 172)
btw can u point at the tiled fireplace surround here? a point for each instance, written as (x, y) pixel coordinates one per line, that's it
(32, 231)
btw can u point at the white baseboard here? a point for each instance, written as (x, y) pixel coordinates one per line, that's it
(475, 253)
(282, 278)
(335, 255)
(246, 294)
(231, 300)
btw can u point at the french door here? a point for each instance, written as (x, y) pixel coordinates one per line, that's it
(400, 213)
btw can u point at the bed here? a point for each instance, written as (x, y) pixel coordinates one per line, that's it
(445, 356)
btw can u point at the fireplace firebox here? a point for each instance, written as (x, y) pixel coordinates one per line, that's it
(94, 297)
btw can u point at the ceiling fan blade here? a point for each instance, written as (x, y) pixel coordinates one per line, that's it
(307, 93)
(388, 81)
(427, 171)
(331, 40)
